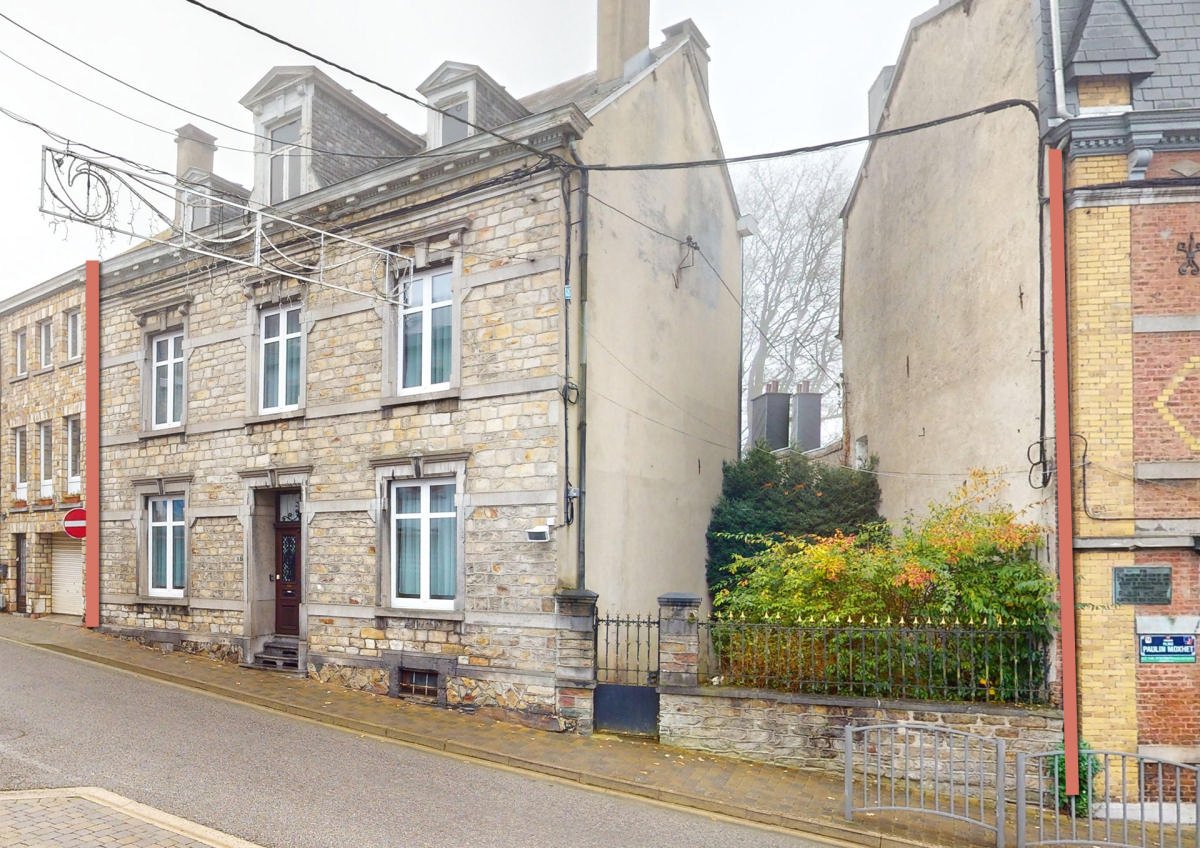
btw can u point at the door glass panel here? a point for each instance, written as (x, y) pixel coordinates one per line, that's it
(288, 569)
(289, 507)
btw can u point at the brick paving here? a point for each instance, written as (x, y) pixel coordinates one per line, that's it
(87, 818)
(806, 801)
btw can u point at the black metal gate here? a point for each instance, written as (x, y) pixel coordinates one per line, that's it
(626, 697)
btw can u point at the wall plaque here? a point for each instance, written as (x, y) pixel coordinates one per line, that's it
(1148, 584)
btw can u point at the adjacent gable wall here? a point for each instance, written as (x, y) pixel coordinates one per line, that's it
(940, 288)
(668, 350)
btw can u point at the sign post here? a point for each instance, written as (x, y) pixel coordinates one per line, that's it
(75, 523)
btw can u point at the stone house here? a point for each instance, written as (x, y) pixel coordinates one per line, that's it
(41, 446)
(993, 317)
(466, 389)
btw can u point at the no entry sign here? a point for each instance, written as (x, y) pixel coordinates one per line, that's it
(75, 523)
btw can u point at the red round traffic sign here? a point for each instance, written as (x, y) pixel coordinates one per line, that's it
(75, 523)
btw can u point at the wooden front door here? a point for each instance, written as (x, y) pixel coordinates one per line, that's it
(22, 563)
(287, 579)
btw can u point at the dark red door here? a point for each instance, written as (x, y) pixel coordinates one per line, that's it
(287, 579)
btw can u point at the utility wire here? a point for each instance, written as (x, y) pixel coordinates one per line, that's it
(541, 154)
(200, 116)
(998, 106)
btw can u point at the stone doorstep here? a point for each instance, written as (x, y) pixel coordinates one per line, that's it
(133, 809)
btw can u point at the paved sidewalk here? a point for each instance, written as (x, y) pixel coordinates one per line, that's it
(87, 817)
(806, 801)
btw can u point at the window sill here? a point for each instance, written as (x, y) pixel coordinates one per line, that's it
(74, 360)
(19, 378)
(39, 507)
(420, 397)
(268, 417)
(45, 369)
(407, 612)
(152, 601)
(143, 435)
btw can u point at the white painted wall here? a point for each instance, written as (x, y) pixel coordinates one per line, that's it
(940, 289)
(668, 351)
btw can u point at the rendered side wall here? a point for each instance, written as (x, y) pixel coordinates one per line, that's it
(940, 292)
(662, 340)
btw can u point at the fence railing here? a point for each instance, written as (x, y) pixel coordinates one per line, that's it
(925, 768)
(997, 662)
(627, 649)
(1131, 801)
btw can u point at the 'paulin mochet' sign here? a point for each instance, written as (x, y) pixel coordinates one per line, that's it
(1166, 649)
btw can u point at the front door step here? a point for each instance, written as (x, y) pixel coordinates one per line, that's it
(280, 653)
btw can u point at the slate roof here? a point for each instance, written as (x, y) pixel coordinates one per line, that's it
(1109, 39)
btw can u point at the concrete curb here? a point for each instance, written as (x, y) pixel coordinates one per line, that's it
(844, 833)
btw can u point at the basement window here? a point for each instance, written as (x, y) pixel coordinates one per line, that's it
(418, 683)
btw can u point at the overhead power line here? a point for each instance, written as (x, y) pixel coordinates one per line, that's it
(541, 154)
(200, 116)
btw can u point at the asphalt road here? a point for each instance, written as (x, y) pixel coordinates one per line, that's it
(287, 783)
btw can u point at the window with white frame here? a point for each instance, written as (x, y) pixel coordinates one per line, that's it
(21, 460)
(279, 358)
(73, 335)
(20, 353)
(167, 558)
(426, 331)
(285, 161)
(46, 459)
(74, 433)
(167, 364)
(424, 543)
(45, 343)
(454, 121)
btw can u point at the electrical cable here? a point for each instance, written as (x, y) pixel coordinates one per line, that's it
(203, 117)
(541, 154)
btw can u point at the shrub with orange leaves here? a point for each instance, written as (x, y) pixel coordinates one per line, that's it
(969, 558)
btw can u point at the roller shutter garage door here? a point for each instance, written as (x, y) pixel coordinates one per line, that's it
(66, 575)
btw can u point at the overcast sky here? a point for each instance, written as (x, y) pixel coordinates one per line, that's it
(784, 73)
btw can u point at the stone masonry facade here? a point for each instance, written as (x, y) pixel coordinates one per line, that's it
(41, 406)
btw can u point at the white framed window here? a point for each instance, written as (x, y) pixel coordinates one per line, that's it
(167, 364)
(74, 436)
(20, 353)
(279, 358)
(21, 461)
(285, 161)
(426, 331)
(167, 548)
(455, 116)
(45, 343)
(71, 321)
(46, 459)
(424, 543)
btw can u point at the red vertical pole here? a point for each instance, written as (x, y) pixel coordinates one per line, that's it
(91, 430)
(1062, 462)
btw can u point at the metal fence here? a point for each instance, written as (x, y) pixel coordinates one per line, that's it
(627, 649)
(1130, 801)
(926, 769)
(989, 662)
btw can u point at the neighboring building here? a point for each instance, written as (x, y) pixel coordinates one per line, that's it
(946, 317)
(41, 442)
(391, 475)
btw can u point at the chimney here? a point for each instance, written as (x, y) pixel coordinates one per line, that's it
(194, 150)
(622, 34)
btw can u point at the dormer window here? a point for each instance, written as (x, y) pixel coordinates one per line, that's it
(285, 161)
(454, 122)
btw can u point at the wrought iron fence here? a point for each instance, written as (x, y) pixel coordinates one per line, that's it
(627, 649)
(993, 661)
